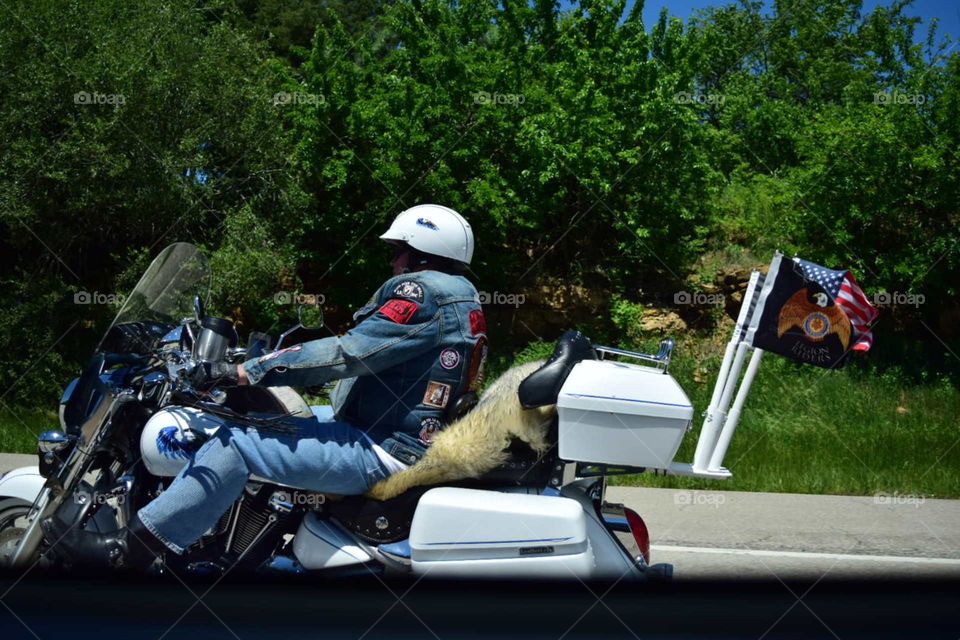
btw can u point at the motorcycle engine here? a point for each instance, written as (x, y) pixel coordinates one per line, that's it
(261, 516)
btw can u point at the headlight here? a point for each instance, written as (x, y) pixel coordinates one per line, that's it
(53, 447)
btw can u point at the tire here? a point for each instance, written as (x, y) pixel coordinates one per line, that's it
(12, 511)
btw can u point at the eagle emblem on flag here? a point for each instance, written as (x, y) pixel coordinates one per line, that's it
(800, 303)
(816, 319)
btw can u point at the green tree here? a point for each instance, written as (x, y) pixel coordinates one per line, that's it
(288, 25)
(126, 127)
(556, 133)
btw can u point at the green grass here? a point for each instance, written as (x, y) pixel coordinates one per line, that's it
(19, 428)
(809, 430)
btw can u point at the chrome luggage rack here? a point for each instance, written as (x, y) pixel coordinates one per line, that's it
(661, 359)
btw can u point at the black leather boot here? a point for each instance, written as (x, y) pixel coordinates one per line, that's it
(143, 547)
(132, 547)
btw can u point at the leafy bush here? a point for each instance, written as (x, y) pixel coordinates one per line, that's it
(127, 127)
(585, 147)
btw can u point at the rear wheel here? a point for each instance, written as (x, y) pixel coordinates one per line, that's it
(13, 525)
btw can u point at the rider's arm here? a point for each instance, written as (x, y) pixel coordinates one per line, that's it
(400, 329)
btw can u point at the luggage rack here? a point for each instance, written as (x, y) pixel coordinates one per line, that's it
(661, 359)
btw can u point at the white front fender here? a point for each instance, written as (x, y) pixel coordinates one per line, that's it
(24, 483)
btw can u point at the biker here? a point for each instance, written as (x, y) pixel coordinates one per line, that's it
(418, 345)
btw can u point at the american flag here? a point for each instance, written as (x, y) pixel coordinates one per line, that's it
(847, 294)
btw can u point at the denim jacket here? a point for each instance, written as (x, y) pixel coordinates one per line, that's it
(419, 343)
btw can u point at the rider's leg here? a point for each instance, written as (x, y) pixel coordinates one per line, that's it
(334, 457)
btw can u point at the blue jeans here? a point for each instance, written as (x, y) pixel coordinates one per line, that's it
(323, 455)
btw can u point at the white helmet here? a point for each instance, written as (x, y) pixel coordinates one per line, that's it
(434, 229)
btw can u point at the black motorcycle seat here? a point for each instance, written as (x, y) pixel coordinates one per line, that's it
(375, 521)
(542, 387)
(381, 522)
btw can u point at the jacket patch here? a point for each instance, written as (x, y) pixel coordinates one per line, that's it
(428, 427)
(271, 356)
(437, 395)
(478, 324)
(449, 358)
(400, 311)
(478, 358)
(409, 290)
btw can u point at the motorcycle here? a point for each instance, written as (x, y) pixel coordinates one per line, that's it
(540, 517)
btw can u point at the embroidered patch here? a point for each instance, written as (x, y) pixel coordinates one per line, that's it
(428, 427)
(271, 356)
(400, 311)
(423, 222)
(449, 358)
(437, 395)
(478, 323)
(478, 358)
(410, 290)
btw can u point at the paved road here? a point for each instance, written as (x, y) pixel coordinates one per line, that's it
(707, 534)
(13, 460)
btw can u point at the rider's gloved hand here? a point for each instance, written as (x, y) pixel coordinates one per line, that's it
(207, 374)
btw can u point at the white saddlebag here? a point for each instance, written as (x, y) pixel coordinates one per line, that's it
(619, 413)
(457, 532)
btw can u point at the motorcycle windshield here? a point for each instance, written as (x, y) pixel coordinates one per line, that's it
(165, 292)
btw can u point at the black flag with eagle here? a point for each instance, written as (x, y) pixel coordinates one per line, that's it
(810, 313)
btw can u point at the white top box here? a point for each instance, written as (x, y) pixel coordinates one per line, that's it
(619, 413)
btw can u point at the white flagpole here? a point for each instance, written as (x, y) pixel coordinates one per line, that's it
(730, 424)
(729, 372)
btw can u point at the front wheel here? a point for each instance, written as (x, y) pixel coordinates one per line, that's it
(13, 526)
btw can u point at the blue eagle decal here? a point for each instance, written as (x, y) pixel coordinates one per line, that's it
(170, 446)
(424, 222)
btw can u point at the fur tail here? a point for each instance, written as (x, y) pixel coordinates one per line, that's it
(476, 444)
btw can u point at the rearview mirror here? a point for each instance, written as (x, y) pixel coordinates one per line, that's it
(310, 316)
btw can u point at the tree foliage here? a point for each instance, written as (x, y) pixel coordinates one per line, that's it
(584, 146)
(125, 127)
